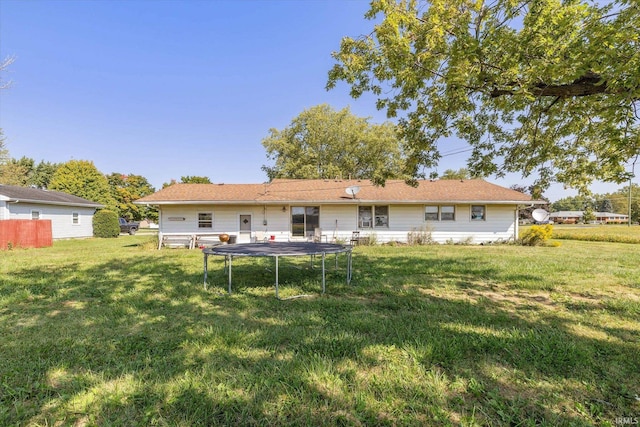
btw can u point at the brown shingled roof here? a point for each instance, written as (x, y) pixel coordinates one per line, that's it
(206, 193)
(333, 191)
(35, 195)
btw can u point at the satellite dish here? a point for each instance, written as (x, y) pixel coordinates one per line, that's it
(540, 215)
(352, 191)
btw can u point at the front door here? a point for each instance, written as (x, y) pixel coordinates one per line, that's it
(245, 229)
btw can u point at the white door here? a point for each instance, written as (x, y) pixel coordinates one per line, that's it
(245, 229)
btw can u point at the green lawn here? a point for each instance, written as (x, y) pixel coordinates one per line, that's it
(112, 332)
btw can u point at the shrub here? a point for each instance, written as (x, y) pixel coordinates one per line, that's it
(373, 239)
(105, 224)
(420, 236)
(150, 244)
(537, 235)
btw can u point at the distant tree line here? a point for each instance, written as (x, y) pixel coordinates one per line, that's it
(116, 191)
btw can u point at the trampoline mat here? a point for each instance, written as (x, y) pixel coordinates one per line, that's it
(277, 249)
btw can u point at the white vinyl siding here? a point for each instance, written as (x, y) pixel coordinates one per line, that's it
(338, 221)
(62, 226)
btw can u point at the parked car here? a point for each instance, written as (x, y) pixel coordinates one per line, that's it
(128, 227)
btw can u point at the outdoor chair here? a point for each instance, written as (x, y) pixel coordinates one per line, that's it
(355, 238)
(317, 235)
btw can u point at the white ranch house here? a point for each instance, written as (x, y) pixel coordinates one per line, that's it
(287, 209)
(71, 216)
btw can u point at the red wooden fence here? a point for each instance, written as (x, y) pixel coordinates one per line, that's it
(25, 233)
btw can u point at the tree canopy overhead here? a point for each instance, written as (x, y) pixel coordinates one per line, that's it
(324, 143)
(545, 88)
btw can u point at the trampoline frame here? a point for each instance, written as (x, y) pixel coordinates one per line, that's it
(277, 250)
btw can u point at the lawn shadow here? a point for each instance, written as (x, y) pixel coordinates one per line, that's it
(139, 341)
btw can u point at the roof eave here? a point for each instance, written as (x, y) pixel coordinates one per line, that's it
(336, 202)
(52, 202)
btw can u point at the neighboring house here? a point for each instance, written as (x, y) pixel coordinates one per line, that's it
(572, 217)
(566, 217)
(286, 209)
(70, 216)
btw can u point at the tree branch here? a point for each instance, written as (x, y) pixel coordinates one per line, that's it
(589, 84)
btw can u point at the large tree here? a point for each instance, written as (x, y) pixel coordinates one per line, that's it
(195, 179)
(14, 173)
(545, 88)
(620, 200)
(43, 173)
(462, 173)
(188, 180)
(125, 189)
(573, 203)
(324, 143)
(81, 178)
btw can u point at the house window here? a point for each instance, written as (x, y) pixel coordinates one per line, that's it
(365, 218)
(382, 216)
(478, 213)
(205, 220)
(373, 216)
(75, 218)
(447, 213)
(431, 213)
(304, 220)
(35, 214)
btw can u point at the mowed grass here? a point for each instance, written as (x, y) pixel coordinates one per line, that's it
(112, 332)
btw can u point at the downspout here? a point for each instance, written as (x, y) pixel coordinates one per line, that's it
(516, 229)
(160, 221)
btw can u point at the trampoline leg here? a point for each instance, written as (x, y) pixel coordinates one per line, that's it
(277, 278)
(323, 281)
(205, 271)
(230, 274)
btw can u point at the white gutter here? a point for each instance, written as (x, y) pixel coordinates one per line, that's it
(49, 202)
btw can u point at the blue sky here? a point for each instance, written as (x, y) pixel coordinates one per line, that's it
(167, 88)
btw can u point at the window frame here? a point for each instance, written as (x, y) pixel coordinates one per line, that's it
(305, 213)
(75, 218)
(385, 224)
(484, 212)
(202, 223)
(38, 214)
(373, 219)
(453, 213)
(437, 212)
